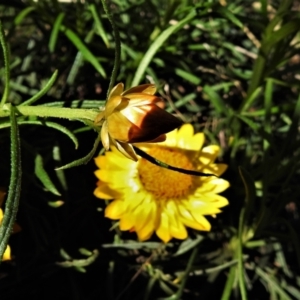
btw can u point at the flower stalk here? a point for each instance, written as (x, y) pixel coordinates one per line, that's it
(45, 111)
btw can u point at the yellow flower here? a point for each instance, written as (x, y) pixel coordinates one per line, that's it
(133, 116)
(150, 199)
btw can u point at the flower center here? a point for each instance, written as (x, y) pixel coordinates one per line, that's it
(164, 183)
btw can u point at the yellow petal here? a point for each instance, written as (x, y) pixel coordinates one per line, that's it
(196, 142)
(171, 140)
(177, 229)
(126, 222)
(202, 207)
(216, 169)
(115, 210)
(214, 199)
(116, 90)
(99, 118)
(143, 88)
(105, 136)
(184, 134)
(112, 105)
(127, 150)
(142, 100)
(118, 179)
(135, 199)
(163, 230)
(201, 220)
(7, 254)
(209, 154)
(119, 127)
(103, 191)
(213, 185)
(112, 161)
(145, 231)
(143, 215)
(188, 219)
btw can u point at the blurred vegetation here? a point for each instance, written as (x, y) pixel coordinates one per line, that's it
(231, 68)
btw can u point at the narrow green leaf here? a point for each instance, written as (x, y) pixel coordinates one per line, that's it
(135, 245)
(186, 273)
(229, 283)
(150, 287)
(83, 160)
(43, 176)
(230, 16)
(250, 98)
(53, 125)
(5, 51)
(181, 102)
(188, 76)
(99, 26)
(23, 14)
(74, 38)
(12, 202)
(293, 130)
(59, 173)
(250, 191)
(267, 136)
(159, 41)
(216, 100)
(272, 283)
(292, 290)
(188, 244)
(284, 31)
(55, 31)
(42, 92)
(240, 266)
(268, 105)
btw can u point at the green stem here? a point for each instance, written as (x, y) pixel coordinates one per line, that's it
(161, 164)
(186, 274)
(117, 47)
(240, 266)
(14, 190)
(57, 112)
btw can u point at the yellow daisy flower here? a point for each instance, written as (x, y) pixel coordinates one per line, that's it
(149, 199)
(134, 116)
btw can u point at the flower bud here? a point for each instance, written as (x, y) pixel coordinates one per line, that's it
(134, 116)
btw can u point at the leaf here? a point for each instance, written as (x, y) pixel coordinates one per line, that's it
(272, 283)
(54, 125)
(22, 14)
(230, 16)
(250, 192)
(188, 244)
(6, 65)
(43, 176)
(216, 100)
(250, 98)
(280, 34)
(55, 31)
(99, 25)
(188, 76)
(83, 160)
(159, 41)
(42, 92)
(87, 54)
